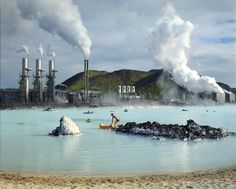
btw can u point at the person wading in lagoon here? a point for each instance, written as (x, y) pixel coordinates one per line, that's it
(114, 120)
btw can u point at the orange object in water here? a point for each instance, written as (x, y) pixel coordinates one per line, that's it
(102, 126)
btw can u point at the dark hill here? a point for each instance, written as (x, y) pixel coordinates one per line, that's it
(156, 82)
(227, 87)
(76, 82)
(105, 81)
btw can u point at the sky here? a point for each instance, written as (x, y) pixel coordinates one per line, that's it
(119, 32)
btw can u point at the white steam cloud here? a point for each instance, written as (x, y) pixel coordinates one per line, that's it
(58, 17)
(40, 48)
(24, 49)
(50, 53)
(170, 38)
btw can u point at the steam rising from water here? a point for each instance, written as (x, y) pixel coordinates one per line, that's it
(170, 38)
(24, 49)
(58, 17)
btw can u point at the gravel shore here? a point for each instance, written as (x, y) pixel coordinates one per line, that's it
(222, 178)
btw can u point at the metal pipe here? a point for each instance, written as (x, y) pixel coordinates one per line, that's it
(24, 66)
(85, 83)
(38, 83)
(87, 95)
(25, 80)
(38, 67)
(51, 67)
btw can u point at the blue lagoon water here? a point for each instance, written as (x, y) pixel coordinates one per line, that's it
(26, 146)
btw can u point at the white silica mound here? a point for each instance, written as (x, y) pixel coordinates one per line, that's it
(67, 127)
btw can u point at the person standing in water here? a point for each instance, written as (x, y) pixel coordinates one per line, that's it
(114, 120)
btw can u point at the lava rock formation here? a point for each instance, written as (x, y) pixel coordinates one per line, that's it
(190, 131)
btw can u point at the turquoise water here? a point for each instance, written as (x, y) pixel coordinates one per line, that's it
(25, 145)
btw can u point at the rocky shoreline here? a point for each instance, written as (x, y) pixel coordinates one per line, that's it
(190, 131)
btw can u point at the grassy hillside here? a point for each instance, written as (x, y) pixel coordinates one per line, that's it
(110, 81)
(154, 81)
(76, 82)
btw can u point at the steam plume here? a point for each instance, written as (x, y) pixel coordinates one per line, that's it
(58, 17)
(24, 49)
(170, 38)
(50, 53)
(40, 48)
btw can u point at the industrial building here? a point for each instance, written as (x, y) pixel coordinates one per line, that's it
(127, 92)
(39, 93)
(45, 91)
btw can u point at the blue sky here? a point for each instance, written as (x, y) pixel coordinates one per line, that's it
(119, 33)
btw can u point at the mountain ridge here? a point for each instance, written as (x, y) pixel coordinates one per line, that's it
(153, 81)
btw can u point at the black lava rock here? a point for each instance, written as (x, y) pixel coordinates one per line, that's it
(190, 131)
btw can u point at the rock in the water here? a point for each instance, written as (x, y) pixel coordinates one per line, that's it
(67, 127)
(50, 109)
(190, 131)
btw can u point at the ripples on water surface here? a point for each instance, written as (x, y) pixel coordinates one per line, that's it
(25, 145)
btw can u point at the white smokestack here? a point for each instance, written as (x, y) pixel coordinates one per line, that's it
(51, 67)
(170, 38)
(24, 49)
(38, 67)
(58, 17)
(24, 66)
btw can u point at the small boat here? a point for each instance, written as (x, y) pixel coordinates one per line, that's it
(102, 126)
(88, 112)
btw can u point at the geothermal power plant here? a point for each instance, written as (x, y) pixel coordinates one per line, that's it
(38, 94)
(43, 86)
(43, 89)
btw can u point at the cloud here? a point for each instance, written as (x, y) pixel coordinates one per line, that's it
(215, 40)
(119, 30)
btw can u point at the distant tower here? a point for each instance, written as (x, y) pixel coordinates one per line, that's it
(38, 82)
(51, 81)
(86, 81)
(24, 82)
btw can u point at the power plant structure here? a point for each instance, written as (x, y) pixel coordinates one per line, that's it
(50, 92)
(38, 82)
(39, 94)
(47, 93)
(86, 81)
(24, 82)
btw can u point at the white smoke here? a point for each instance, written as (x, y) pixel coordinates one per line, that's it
(58, 17)
(24, 49)
(40, 48)
(50, 53)
(170, 38)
